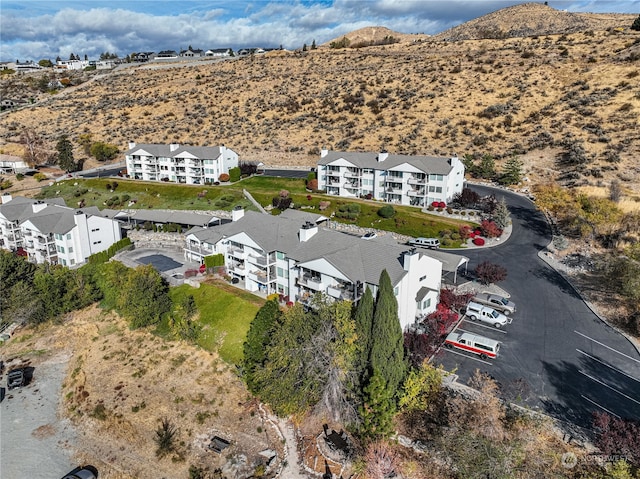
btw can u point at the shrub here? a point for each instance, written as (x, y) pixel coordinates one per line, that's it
(324, 205)
(235, 174)
(386, 211)
(430, 208)
(165, 438)
(489, 273)
(312, 184)
(478, 241)
(309, 198)
(490, 229)
(19, 177)
(464, 231)
(39, 177)
(224, 177)
(5, 185)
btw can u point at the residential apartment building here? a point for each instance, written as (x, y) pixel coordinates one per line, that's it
(295, 256)
(53, 233)
(192, 165)
(398, 179)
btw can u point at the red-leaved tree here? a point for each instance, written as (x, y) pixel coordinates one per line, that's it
(454, 301)
(490, 229)
(618, 437)
(488, 273)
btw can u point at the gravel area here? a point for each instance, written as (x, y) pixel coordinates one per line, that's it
(34, 442)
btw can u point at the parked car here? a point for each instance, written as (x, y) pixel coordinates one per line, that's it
(15, 378)
(483, 347)
(498, 303)
(478, 312)
(425, 242)
(86, 472)
(369, 235)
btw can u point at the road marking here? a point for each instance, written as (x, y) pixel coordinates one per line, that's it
(468, 357)
(608, 347)
(492, 328)
(610, 387)
(608, 365)
(598, 405)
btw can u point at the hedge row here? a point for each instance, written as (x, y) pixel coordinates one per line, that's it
(104, 256)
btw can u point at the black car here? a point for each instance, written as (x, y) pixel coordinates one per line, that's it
(15, 378)
(86, 472)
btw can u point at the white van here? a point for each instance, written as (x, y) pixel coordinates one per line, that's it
(483, 347)
(425, 242)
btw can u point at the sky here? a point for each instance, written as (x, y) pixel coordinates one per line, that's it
(46, 29)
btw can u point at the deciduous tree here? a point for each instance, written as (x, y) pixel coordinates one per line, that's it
(488, 273)
(103, 151)
(35, 152)
(144, 297)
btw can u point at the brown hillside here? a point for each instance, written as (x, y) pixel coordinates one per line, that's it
(531, 19)
(375, 35)
(567, 104)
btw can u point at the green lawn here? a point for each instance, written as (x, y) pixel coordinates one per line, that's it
(94, 192)
(225, 314)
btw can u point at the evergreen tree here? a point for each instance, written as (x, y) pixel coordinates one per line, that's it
(487, 167)
(144, 297)
(258, 338)
(313, 44)
(501, 214)
(304, 47)
(387, 345)
(65, 154)
(378, 409)
(636, 24)
(512, 171)
(363, 319)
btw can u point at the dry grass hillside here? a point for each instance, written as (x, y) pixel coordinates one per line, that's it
(567, 103)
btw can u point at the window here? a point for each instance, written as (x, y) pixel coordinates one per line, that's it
(64, 262)
(70, 249)
(436, 177)
(435, 189)
(283, 273)
(60, 249)
(68, 236)
(58, 236)
(396, 290)
(73, 261)
(280, 255)
(97, 242)
(426, 303)
(423, 278)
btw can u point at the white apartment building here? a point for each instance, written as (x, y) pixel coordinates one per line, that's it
(192, 165)
(295, 256)
(53, 233)
(398, 179)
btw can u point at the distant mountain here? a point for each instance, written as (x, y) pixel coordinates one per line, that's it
(531, 19)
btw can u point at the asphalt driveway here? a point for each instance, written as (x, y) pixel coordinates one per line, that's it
(556, 356)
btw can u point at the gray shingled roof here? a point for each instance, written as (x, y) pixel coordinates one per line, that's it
(158, 216)
(428, 164)
(202, 152)
(358, 259)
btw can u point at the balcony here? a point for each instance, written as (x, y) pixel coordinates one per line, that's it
(417, 181)
(258, 260)
(333, 173)
(341, 293)
(238, 268)
(351, 186)
(313, 283)
(392, 189)
(353, 174)
(258, 276)
(237, 252)
(416, 192)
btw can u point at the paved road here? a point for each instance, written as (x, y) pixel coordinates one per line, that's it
(285, 173)
(557, 355)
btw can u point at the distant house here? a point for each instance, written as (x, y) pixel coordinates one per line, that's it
(191, 53)
(192, 165)
(167, 54)
(28, 66)
(12, 164)
(142, 57)
(9, 103)
(71, 64)
(218, 52)
(399, 179)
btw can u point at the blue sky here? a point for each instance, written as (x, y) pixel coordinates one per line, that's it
(37, 29)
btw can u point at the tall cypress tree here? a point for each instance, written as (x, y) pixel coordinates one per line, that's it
(255, 346)
(387, 345)
(364, 324)
(65, 154)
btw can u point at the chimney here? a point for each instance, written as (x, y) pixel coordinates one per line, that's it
(6, 197)
(38, 206)
(174, 146)
(132, 145)
(324, 152)
(307, 231)
(382, 156)
(237, 213)
(409, 258)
